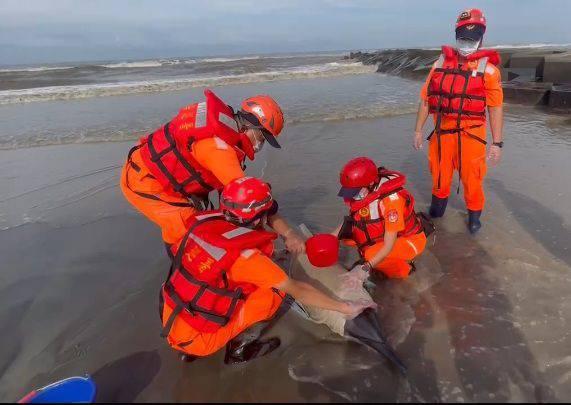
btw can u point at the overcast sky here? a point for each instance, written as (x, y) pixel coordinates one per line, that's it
(35, 31)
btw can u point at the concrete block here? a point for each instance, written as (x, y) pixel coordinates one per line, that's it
(560, 97)
(527, 93)
(558, 68)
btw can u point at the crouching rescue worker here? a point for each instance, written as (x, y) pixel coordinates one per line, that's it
(463, 83)
(223, 289)
(170, 173)
(382, 222)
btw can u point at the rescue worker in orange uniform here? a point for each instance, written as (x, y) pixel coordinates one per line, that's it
(223, 289)
(382, 222)
(170, 173)
(462, 84)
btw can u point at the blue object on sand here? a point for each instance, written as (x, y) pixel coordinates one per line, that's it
(70, 390)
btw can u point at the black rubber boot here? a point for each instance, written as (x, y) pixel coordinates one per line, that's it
(187, 358)
(247, 346)
(474, 223)
(437, 207)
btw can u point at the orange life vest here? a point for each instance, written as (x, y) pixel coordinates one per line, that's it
(454, 91)
(367, 221)
(167, 151)
(197, 289)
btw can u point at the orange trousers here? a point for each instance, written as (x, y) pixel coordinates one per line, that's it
(397, 263)
(171, 219)
(261, 305)
(473, 166)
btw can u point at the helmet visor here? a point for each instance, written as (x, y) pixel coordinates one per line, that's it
(254, 122)
(471, 32)
(349, 192)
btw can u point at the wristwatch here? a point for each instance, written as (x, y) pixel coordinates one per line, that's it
(499, 144)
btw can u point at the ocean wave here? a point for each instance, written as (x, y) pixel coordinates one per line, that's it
(123, 88)
(130, 65)
(122, 135)
(36, 69)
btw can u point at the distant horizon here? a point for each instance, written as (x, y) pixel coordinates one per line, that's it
(343, 52)
(59, 31)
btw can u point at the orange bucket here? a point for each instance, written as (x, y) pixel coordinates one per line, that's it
(322, 250)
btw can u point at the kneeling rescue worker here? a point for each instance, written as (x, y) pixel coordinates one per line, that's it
(462, 84)
(382, 223)
(223, 289)
(170, 173)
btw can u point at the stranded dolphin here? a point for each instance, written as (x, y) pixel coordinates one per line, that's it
(365, 328)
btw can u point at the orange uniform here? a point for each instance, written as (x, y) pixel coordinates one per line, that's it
(406, 248)
(472, 162)
(252, 267)
(213, 154)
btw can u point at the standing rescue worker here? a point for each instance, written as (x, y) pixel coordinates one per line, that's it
(382, 222)
(223, 289)
(462, 84)
(170, 173)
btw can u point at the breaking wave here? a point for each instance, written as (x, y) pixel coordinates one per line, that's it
(151, 86)
(126, 134)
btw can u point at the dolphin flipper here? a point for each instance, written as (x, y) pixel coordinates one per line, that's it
(367, 330)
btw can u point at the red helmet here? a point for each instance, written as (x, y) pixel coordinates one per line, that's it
(246, 199)
(263, 112)
(472, 16)
(356, 174)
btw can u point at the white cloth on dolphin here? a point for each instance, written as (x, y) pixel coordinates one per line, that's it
(334, 280)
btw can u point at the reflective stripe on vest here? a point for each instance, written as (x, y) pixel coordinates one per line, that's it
(214, 251)
(236, 232)
(201, 111)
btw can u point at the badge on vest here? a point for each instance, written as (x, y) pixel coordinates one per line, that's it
(364, 212)
(393, 216)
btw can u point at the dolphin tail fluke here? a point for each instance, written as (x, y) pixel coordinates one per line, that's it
(366, 329)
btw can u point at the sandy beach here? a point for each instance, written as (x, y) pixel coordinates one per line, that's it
(485, 318)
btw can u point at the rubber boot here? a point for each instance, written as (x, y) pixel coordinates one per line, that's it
(247, 346)
(187, 358)
(474, 223)
(437, 206)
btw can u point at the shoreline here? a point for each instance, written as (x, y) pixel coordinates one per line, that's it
(535, 76)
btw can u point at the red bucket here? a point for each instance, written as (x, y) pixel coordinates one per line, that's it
(322, 250)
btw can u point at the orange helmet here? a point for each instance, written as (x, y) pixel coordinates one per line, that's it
(263, 112)
(246, 199)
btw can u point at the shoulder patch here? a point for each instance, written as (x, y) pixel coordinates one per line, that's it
(393, 216)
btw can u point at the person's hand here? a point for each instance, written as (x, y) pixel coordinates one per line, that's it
(494, 155)
(294, 243)
(418, 140)
(352, 309)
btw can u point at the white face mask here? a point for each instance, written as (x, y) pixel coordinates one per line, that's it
(362, 194)
(467, 47)
(258, 146)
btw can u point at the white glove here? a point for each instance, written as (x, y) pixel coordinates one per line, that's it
(354, 278)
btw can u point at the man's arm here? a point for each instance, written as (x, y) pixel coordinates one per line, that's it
(293, 242)
(421, 117)
(308, 295)
(496, 115)
(389, 242)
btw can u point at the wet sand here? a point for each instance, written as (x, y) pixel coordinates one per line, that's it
(485, 318)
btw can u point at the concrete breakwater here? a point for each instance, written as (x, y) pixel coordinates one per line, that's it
(532, 76)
